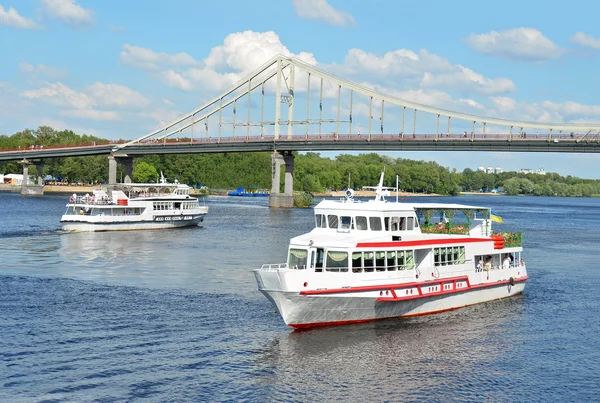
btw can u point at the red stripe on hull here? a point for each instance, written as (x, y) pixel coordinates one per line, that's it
(383, 286)
(304, 326)
(422, 242)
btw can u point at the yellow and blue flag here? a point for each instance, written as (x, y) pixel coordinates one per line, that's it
(495, 217)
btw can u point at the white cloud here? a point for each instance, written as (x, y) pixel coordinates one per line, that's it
(245, 51)
(586, 40)
(424, 69)
(61, 95)
(116, 95)
(526, 44)
(321, 10)
(43, 71)
(91, 114)
(12, 18)
(69, 12)
(143, 58)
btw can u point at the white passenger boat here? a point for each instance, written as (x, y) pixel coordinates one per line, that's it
(134, 206)
(383, 259)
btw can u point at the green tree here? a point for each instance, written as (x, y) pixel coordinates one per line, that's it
(144, 173)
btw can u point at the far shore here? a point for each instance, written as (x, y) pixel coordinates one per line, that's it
(357, 193)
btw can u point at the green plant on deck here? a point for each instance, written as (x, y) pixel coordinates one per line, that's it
(511, 239)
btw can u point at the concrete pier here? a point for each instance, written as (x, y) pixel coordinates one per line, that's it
(276, 198)
(113, 162)
(32, 189)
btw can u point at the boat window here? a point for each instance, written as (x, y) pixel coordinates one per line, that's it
(357, 262)
(380, 261)
(396, 223)
(391, 260)
(298, 258)
(345, 222)
(319, 262)
(369, 258)
(320, 221)
(333, 221)
(337, 261)
(375, 223)
(361, 223)
(448, 256)
(410, 223)
(386, 223)
(406, 260)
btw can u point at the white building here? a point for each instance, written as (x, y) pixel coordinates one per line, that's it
(12, 179)
(525, 171)
(499, 170)
(482, 169)
(490, 170)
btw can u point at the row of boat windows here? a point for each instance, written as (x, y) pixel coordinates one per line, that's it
(339, 261)
(448, 256)
(116, 211)
(178, 205)
(363, 223)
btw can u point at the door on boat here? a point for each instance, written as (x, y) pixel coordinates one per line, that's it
(316, 259)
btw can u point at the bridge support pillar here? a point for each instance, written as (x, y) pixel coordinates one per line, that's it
(276, 198)
(26, 188)
(39, 166)
(112, 170)
(127, 169)
(113, 163)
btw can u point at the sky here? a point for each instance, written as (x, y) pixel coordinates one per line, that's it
(120, 69)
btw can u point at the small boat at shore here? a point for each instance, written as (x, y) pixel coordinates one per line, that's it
(376, 259)
(249, 192)
(134, 206)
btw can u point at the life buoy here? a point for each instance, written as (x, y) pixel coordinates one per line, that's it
(511, 281)
(71, 199)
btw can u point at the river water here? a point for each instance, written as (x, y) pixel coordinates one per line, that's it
(175, 315)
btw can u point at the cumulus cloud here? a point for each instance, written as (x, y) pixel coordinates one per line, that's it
(69, 12)
(586, 40)
(321, 10)
(12, 18)
(524, 44)
(424, 69)
(42, 71)
(91, 114)
(116, 95)
(60, 95)
(143, 58)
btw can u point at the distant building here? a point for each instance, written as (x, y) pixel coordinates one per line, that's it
(490, 170)
(525, 171)
(11, 179)
(482, 169)
(540, 171)
(499, 170)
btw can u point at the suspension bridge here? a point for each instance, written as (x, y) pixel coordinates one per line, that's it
(288, 105)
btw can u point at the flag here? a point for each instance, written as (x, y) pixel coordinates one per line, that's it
(495, 217)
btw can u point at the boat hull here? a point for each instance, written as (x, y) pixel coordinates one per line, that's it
(304, 311)
(86, 226)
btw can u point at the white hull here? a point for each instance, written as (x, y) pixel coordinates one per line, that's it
(301, 311)
(129, 225)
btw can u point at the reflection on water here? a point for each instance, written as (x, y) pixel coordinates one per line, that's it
(433, 357)
(175, 315)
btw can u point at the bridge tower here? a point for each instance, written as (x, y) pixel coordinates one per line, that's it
(126, 161)
(32, 189)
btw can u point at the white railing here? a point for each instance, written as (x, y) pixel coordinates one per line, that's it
(274, 267)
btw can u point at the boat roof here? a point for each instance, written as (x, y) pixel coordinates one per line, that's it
(376, 205)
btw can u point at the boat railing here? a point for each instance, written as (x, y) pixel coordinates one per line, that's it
(90, 200)
(274, 267)
(445, 228)
(511, 239)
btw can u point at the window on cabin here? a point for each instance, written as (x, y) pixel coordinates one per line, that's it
(369, 259)
(346, 222)
(391, 260)
(357, 262)
(332, 220)
(375, 223)
(298, 258)
(337, 261)
(396, 223)
(320, 221)
(449, 256)
(380, 261)
(361, 223)
(406, 260)
(319, 260)
(410, 223)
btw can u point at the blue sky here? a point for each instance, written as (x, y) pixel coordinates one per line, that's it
(119, 69)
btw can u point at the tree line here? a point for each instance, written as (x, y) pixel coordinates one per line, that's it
(312, 172)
